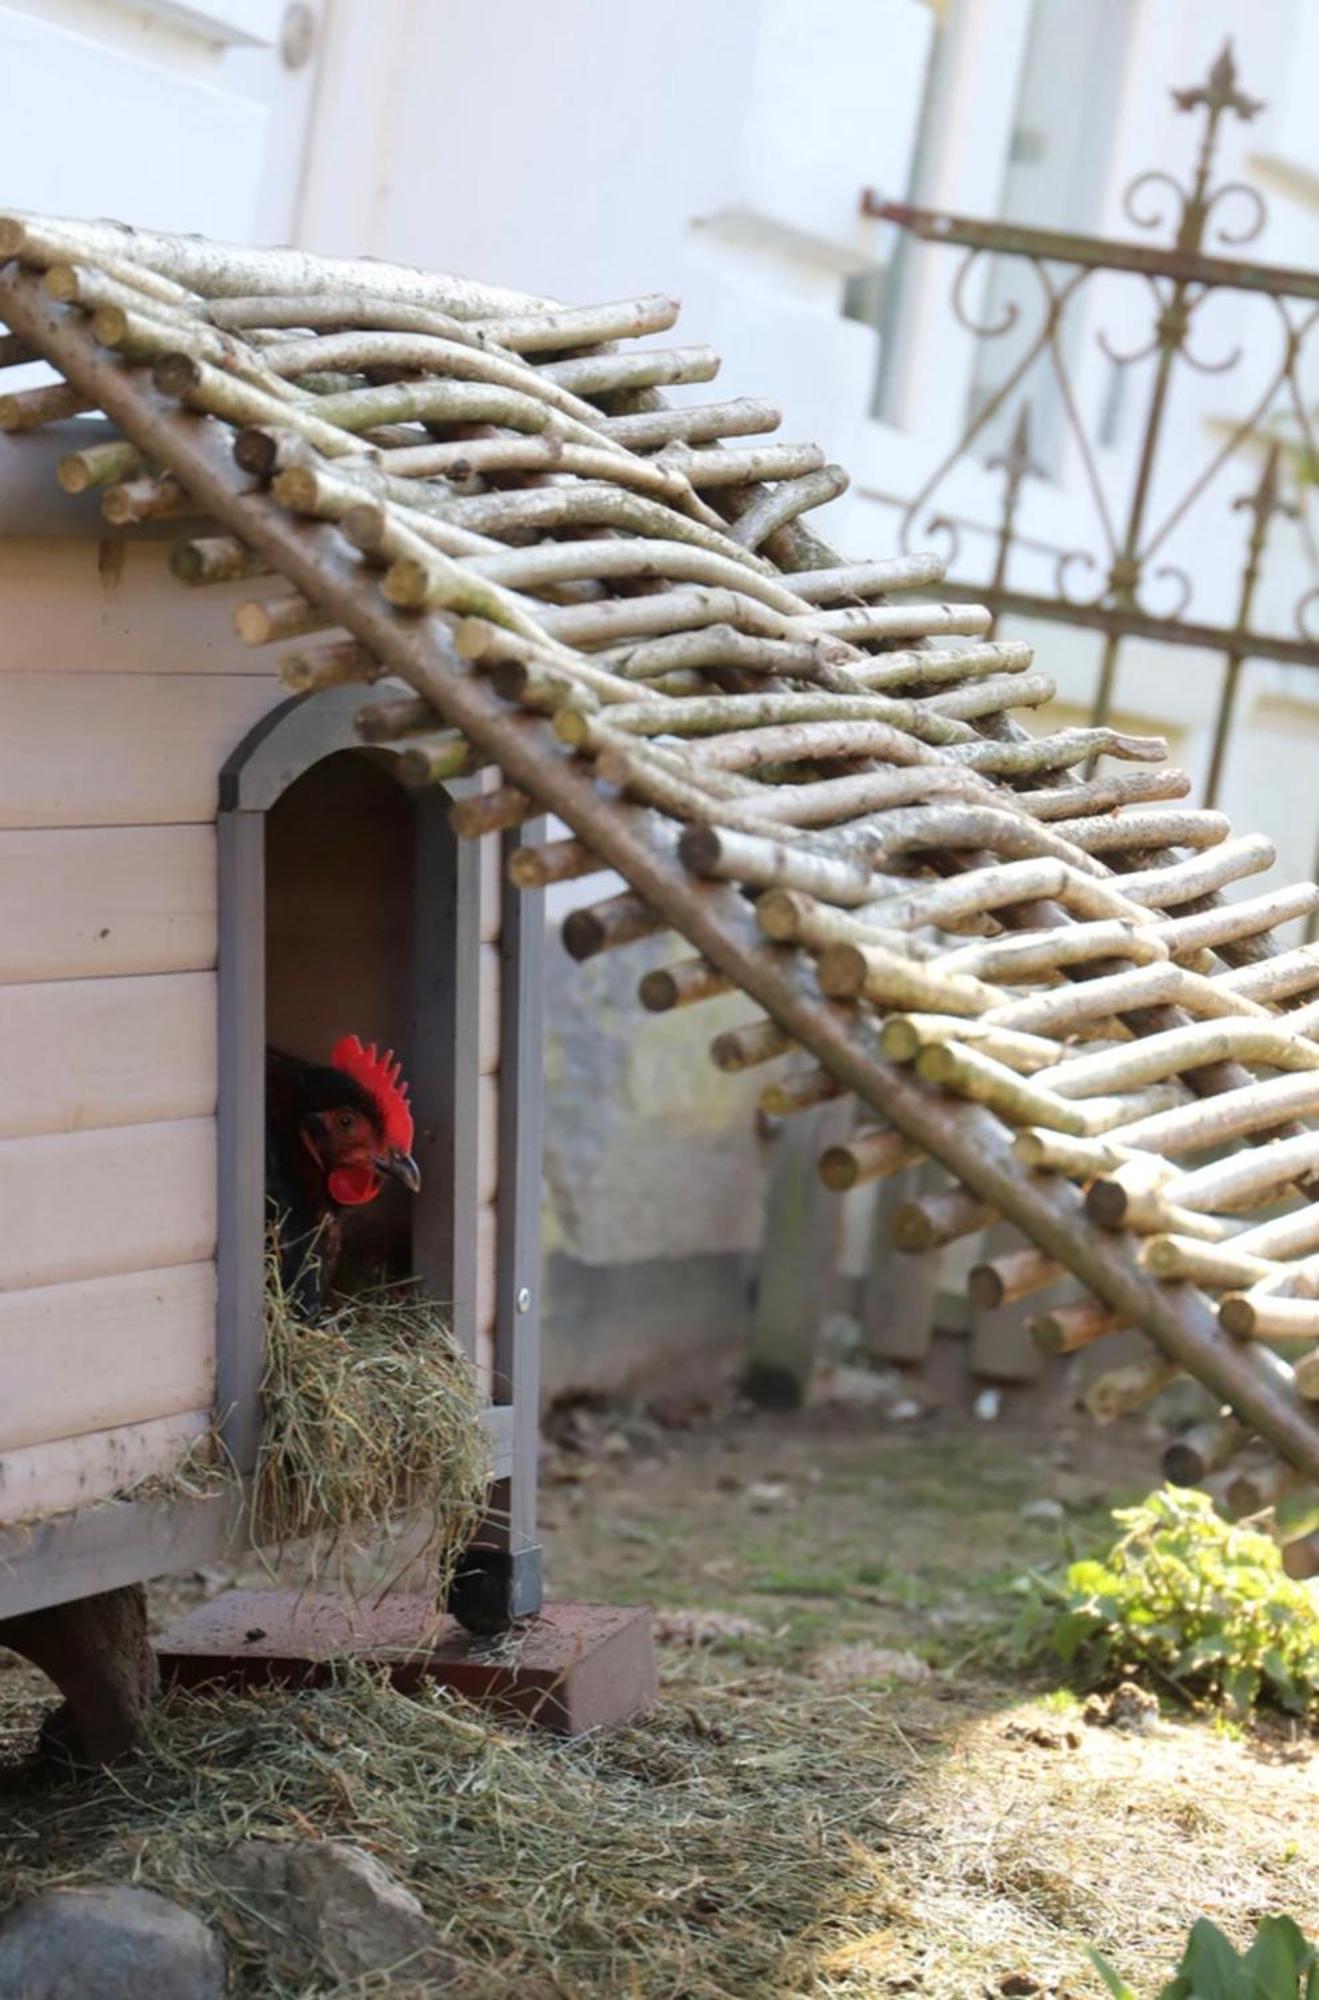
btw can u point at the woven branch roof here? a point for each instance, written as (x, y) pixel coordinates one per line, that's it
(1026, 973)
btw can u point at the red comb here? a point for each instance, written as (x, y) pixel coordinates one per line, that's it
(382, 1079)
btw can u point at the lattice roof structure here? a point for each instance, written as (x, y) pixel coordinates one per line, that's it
(1028, 974)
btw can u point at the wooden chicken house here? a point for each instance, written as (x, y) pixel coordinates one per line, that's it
(194, 863)
(1016, 953)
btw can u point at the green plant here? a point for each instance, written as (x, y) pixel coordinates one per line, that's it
(1182, 1595)
(1279, 1965)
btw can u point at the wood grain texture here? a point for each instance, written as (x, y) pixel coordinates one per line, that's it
(120, 749)
(487, 1139)
(90, 1204)
(83, 903)
(491, 888)
(84, 1053)
(113, 607)
(93, 1356)
(485, 1269)
(488, 1026)
(41, 1479)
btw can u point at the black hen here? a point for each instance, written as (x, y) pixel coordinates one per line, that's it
(333, 1132)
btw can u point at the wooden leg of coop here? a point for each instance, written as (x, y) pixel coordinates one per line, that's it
(798, 1259)
(1001, 1345)
(898, 1302)
(97, 1652)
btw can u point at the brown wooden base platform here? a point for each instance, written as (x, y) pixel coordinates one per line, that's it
(574, 1667)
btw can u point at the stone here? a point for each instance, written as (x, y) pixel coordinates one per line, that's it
(335, 1907)
(1043, 1513)
(114, 1942)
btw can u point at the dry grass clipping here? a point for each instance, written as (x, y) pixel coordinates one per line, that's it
(368, 1415)
(713, 1851)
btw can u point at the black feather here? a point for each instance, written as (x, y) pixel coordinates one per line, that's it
(298, 1204)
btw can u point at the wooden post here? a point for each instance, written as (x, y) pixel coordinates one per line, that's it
(798, 1260)
(899, 1295)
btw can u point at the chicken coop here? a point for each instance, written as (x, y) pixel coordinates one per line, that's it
(1017, 955)
(194, 864)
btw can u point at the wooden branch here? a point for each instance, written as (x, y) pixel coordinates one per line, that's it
(492, 812)
(336, 663)
(100, 465)
(1011, 961)
(742, 466)
(802, 742)
(681, 985)
(229, 269)
(28, 409)
(1019, 759)
(723, 854)
(1123, 1391)
(1233, 1114)
(994, 694)
(903, 1036)
(555, 861)
(872, 1155)
(433, 760)
(800, 1092)
(901, 621)
(1253, 916)
(637, 368)
(522, 333)
(1130, 832)
(1101, 795)
(701, 423)
(620, 920)
(269, 620)
(1266, 1316)
(215, 559)
(936, 1220)
(1067, 1329)
(1001, 1281)
(389, 721)
(132, 501)
(202, 387)
(1179, 1051)
(869, 972)
(1184, 881)
(784, 502)
(1215, 1267)
(1201, 1450)
(745, 1048)
(956, 1067)
(927, 670)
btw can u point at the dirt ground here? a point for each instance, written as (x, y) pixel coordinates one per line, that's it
(836, 1564)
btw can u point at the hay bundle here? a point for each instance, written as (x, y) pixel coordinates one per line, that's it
(370, 1414)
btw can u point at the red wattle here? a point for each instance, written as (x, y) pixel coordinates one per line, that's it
(350, 1187)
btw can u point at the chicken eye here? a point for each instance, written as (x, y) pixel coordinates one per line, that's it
(345, 1121)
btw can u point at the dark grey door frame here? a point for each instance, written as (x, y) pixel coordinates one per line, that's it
(288, 742)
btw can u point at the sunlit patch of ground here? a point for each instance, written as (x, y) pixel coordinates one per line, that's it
(844, 1795)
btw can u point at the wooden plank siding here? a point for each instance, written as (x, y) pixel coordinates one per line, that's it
(106, 902)
(94, 1355)
(80, 607)
(50, 1478)
(89, 1204)
(120, 749)
(86, 1053)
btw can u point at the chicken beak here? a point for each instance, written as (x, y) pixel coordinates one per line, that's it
(400, 1166)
